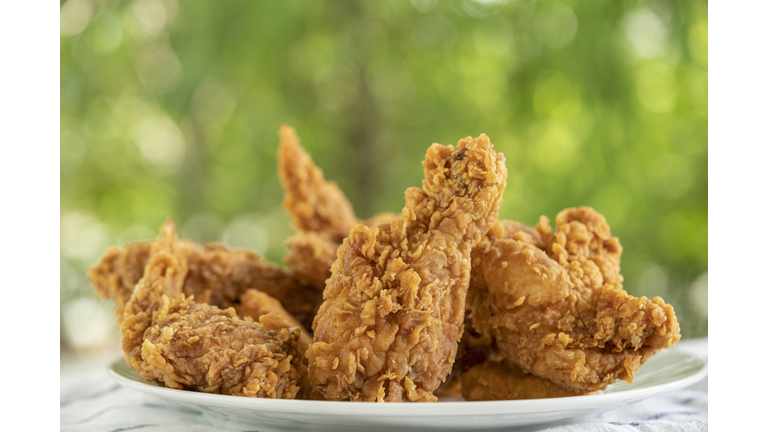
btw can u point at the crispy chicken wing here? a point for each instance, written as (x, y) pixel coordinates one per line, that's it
(169, 338)
(394, 306)
(554, 302)
(217, 275)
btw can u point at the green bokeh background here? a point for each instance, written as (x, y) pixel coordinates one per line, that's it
(172, 109)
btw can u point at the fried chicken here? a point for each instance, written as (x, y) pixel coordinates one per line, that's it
(394, 306)
(317, 205)
(170, 338)
(554, 302)
(322, 214)
(255, 304)
(217, 276)
(503, 380)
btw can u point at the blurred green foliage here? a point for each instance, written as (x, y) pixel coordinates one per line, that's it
(172, 108)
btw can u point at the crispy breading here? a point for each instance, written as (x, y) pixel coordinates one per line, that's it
(556, 307)
(317, 205)
(503, 380)
(321, 212)
(217, 275)
(255, 304)
(169, 338)
(310, 255)
(394, 306)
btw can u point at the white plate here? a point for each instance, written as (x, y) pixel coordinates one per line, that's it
(669, 370)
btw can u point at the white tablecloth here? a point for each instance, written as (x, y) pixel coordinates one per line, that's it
(92, 401)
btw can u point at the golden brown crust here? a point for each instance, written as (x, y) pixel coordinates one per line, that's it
(503, 380)
(217, 276)
(394, 306)
(322, 214)
(317, 205)
(255, 304)
(561, 312)
(185, 345)
(311, 255)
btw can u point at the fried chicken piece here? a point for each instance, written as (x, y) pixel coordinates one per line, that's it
(169, 338)
(217, 276)
(311, 254)
(393, 308)
(321, 213)
(317, 205)
(255, 304)
(502, 380)
(555, 305)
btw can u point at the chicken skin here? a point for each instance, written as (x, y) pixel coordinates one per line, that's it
(171, 339)
(554, 303)
(393, 307)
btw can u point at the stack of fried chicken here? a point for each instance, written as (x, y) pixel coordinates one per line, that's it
(440, 300)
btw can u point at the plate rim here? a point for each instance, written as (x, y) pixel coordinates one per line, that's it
(335, 408)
